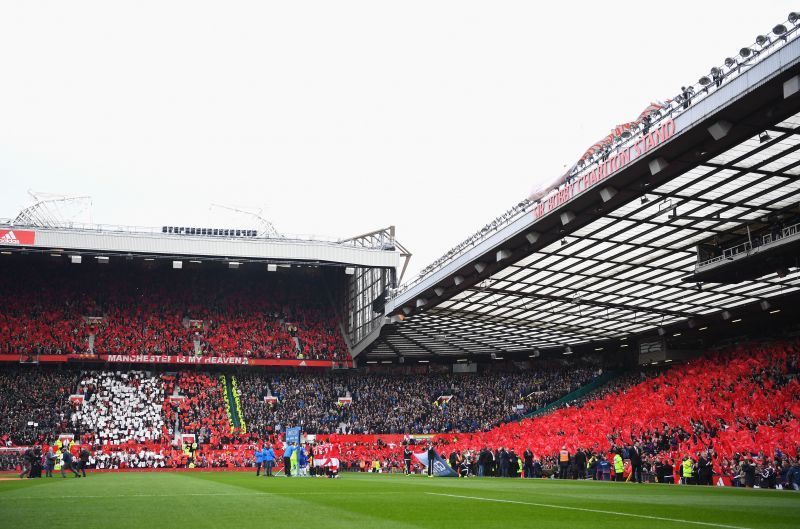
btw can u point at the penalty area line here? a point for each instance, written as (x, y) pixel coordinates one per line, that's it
(583, 509)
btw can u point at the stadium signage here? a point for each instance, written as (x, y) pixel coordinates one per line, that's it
(613, 164)
(216, 360)
(17, 237)
(169, 359)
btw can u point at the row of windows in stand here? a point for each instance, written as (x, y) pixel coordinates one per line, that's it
(219, 232)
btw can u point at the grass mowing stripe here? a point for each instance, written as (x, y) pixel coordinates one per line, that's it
(598, 511)
(234, 494)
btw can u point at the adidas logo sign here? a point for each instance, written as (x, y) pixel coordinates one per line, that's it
(9, 238)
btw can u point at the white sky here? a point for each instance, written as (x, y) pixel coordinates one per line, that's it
(336, 117)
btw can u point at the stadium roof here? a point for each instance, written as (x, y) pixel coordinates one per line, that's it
(375, 249)
(613, 260)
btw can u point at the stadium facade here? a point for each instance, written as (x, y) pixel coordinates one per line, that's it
(367, 265)
(649, 235)
(685, 219)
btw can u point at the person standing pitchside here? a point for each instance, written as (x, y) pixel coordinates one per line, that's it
(287, 460)
(84, 455)
(431, 459)
(259, 453)
(268, 455)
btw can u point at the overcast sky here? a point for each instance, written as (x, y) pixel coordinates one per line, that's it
(335, 117)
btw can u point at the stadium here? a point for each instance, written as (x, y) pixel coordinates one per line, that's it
(621, 348)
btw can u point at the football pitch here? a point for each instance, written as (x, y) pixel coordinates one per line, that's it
(241, 500)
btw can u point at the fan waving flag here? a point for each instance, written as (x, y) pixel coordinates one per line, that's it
(440, 467)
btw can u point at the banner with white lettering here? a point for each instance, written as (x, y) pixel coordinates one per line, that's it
(180, 360)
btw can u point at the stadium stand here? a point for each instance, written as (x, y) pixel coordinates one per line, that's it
(155, 312)
(39, 395)
(202, 411)
(119, 407)
(740, 404)
(404, 403)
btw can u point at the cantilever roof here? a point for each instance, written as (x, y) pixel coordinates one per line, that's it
(621, 272)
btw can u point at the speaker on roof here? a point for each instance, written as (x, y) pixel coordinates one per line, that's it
(720, 129)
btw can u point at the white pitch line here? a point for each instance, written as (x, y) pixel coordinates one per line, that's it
(598, 511)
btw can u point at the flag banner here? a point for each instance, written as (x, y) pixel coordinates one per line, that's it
(293, 435)
(440, 467)
(442, 399)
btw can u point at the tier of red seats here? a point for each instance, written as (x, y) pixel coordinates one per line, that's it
(201, 412)
(744, 400)
(177, 312)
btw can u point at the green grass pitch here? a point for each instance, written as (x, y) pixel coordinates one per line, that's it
(241, 500)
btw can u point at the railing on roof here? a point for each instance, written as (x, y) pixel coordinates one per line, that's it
(150, 230)
(748, 57)
(729, 254)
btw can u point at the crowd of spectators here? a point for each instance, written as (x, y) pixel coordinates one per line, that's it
(200, 409)
(740, 404)
(383, 403)
(301, 399)
(32, 323)
(34, 403)
(166, 457)
(731, 413)
(174, 312)
(119, 407)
